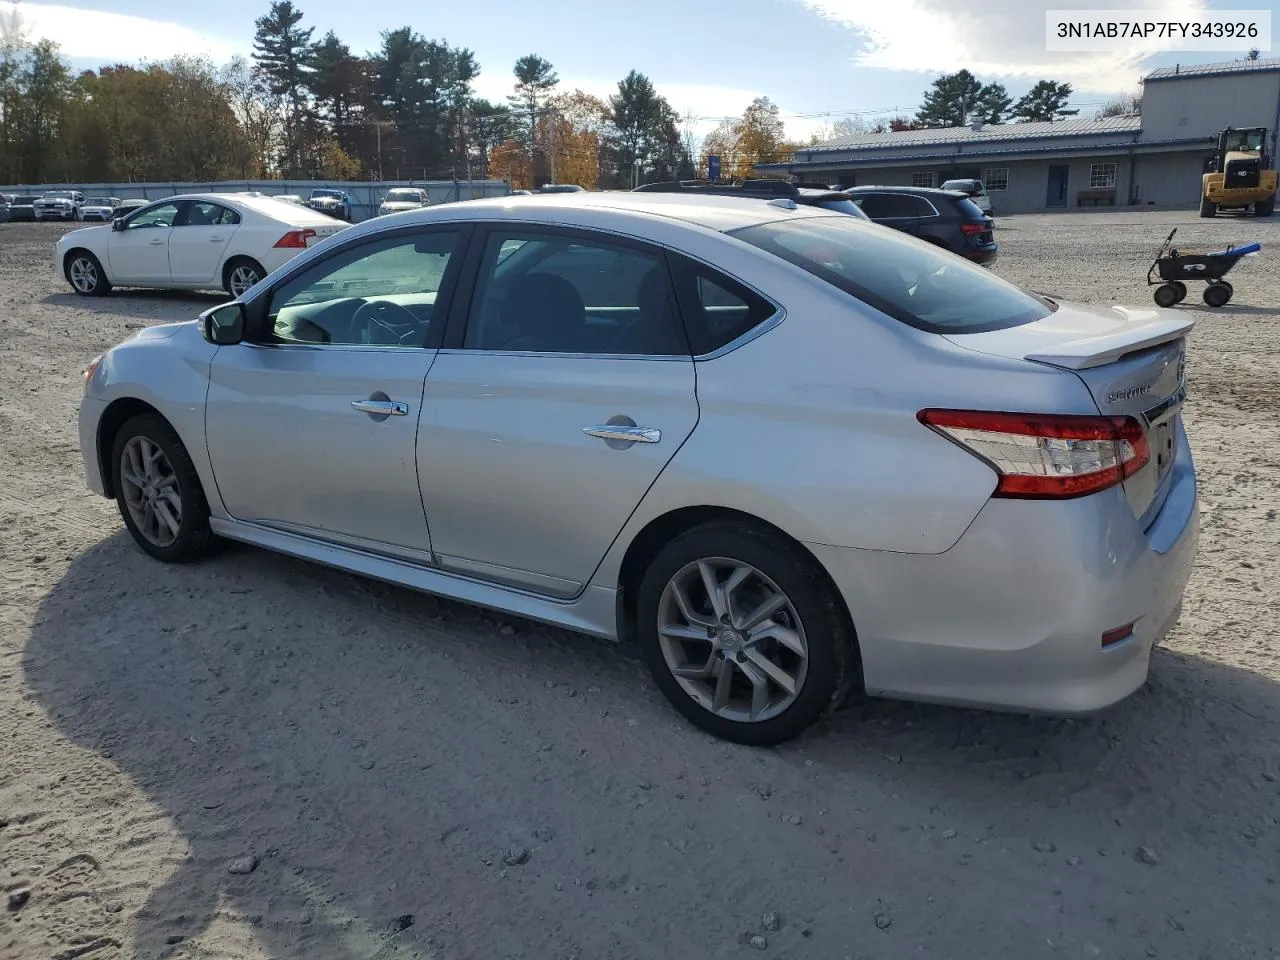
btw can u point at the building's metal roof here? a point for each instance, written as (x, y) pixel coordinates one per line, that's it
(1000, 153)
(1075, 127)
(1214, 69)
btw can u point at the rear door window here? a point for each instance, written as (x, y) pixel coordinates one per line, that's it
(917, 284)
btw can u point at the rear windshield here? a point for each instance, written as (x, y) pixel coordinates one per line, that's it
(969, 210)
(965, 185)
(844, 206)
(912, 281)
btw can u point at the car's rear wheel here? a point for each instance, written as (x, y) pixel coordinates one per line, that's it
(744, 633)
(158, 491)
(85, 274)
(241, 274)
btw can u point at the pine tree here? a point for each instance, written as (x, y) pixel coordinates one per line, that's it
(950, 101)
(993, 104)
(535, 79)
(1044, 102)
(282, 50)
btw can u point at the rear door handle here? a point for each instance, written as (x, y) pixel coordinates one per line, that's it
(614, 431)
(157, 241)
(215, 239)
(381, 408)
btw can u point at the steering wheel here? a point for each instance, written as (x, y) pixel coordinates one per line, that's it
(382, 318)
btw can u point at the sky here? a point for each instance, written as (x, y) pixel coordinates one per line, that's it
(819, 60)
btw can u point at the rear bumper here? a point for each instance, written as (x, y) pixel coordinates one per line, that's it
(985, 254)
(1012, 616)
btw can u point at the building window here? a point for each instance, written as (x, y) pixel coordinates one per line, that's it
(922, 179)
(996, 178)
(1102, 175)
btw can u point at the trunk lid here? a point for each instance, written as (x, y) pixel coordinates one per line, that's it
(1132, 361)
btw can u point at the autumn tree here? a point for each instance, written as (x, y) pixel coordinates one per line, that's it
(282, 49)
(1129, 104)
(1044, 102)
(258, 111)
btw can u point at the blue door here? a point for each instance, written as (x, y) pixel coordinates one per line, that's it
(1057, 196)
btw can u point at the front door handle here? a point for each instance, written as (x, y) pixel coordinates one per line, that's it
(156, 242)
(215, 239)
(615, 431)
(381, 408)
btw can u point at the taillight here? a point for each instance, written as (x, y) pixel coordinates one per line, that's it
(1047, 456)
(295, 239)
(973, 229)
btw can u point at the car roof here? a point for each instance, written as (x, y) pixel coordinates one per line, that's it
(914, 191)
(618, 210)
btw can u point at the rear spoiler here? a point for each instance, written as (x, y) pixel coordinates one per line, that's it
(1097, 351)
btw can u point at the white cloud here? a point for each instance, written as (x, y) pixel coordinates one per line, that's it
(994, 39)
(96, 34)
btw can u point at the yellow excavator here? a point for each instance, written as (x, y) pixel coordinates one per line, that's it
(1238, 176)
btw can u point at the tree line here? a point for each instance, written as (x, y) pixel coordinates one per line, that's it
(302, 107)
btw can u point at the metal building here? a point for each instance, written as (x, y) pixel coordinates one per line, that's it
(1156, 158)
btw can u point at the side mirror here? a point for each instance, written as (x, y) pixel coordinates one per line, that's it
(223, 325)
(118, 223)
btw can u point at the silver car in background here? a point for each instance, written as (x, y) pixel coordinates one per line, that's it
(792, 454)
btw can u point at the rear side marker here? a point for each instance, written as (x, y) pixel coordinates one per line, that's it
(1047, 456)
(1118, 635)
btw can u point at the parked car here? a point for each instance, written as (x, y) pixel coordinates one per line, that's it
(4, 208)
(832, 200)
(947, 218)
(126, 207)
(770, 442)
(399, 199)
(22, 208)
(198, 241)
(99, 208)
(60, 205)
(289, 198)
(975, 190)
(335, 203)
(561, 188)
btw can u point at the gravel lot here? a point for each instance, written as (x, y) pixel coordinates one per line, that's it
(255, 757)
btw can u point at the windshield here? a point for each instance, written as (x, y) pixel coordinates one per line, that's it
(914, 282)
(1248, 140)
(315, 194)
(98, 202)
(59, 195)
(403, 196)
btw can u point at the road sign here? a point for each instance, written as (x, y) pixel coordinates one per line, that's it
(713, 167)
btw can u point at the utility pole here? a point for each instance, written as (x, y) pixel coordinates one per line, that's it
(551, 140)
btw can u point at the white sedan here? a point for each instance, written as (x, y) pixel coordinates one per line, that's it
(191, 242)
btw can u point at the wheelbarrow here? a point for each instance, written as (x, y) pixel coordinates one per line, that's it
(1172, 268)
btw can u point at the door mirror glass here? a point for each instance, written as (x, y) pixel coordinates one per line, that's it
(118, 224)
(223, 325)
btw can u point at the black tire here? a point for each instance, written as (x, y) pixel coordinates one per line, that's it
(1167, 294)
(1181, 288)
(1265, 208)
(83, 264)
(1208, 209)
(833, 660)
(229, 273)
(1218, 293)
(194, 538)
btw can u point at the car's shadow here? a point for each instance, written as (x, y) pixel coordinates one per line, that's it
(380, 752)
(127, 301)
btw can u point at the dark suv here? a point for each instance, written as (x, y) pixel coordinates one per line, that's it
(947, 218)
(762, 189)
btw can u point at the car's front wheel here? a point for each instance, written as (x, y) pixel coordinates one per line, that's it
(240, 275)
(158, 491)
(85, 274)
(744, 633)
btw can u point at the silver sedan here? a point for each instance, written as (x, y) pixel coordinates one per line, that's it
(793, 455)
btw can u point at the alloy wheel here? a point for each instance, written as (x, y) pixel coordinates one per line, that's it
(150, 488)
(84, 274)
(242, 278)
(732, 640)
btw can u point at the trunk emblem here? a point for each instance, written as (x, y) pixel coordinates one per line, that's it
(1128, 393)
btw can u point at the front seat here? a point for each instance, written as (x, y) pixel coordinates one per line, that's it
(656, 331)
(545, 313)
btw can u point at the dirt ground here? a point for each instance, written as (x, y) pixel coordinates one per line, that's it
(259, 758)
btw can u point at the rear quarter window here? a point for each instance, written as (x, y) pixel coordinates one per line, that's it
(968, 209)
(904, 278)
